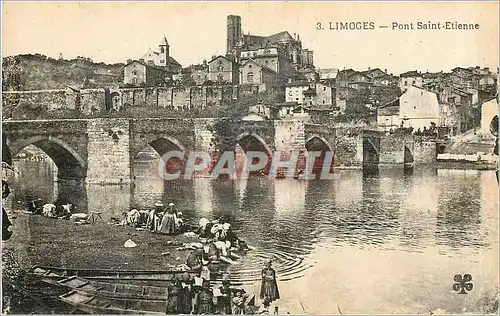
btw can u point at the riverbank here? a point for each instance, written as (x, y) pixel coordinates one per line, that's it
(52, 242)
(100, 245)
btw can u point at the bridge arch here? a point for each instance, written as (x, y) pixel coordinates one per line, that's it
(69, 162)
(161, 144)
(317, 143)
(248, 141)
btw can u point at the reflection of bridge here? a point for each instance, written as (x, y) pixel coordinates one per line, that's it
(103, 149)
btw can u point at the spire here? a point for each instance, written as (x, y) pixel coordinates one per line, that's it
(164, 41)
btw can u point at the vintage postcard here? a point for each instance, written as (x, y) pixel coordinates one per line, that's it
(250, 158)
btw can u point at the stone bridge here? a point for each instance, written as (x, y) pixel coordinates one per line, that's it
(102, 150)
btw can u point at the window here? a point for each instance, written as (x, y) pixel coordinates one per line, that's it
(324, 88)
(267, 51)
(219, 78)
(162, 61)
(134, 73)
(220, 62)
(413, 82)
(249, 66)
(250, 77)
(162, 49)
(405, 83)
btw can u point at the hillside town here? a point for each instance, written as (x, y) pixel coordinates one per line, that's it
(277, 63)
(280, 73)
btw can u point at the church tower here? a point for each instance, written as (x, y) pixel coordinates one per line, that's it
(233, 32)
(164, 53)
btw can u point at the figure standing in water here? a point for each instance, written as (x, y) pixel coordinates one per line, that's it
(269, 287)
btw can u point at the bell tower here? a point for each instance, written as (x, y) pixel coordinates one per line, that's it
(164, 52)
(233, 32)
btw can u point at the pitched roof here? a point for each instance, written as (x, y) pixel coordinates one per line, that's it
(145, 64)
(390, 110)
(255, 41)
(280, 37)
(412, 73)
(330, 73)
(219, 56)
(258, 64)
(359, 74)
(374, 73)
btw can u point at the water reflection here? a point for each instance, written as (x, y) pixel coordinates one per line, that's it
(459, 208)
(450, 212)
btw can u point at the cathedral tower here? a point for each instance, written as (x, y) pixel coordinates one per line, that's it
(233, 32)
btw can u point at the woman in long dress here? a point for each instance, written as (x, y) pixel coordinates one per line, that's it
(269, 288)
(205, 299)
(173, 301)
(168, 221)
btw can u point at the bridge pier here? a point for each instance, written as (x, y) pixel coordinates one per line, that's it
(108, 150)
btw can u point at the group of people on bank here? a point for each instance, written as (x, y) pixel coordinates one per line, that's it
(195, 295)
(161, 219)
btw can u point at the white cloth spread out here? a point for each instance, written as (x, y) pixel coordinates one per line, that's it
(130, 244)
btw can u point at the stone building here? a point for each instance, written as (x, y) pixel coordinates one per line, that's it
(153, 68)
(418, 108)
(280, 52)
(409, 79)
(254, 73)
(322, 96)
(294, 91)
(139, 73)
(223, 70)
(162, 58)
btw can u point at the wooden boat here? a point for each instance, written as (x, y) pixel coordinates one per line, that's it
(112, 290)
(95, 304)
(99, 297)
(107, 274)
(156, 277)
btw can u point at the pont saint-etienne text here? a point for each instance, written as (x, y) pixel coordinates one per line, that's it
(396, 26)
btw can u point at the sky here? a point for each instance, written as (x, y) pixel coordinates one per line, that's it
(117, 31)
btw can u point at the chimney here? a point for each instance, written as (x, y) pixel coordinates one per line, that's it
(141, 60)
(213, 57)
(204, 62)
(129, 61)
(385, 70)
(369, 68)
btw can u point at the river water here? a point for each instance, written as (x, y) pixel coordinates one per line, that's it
(389, 243)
